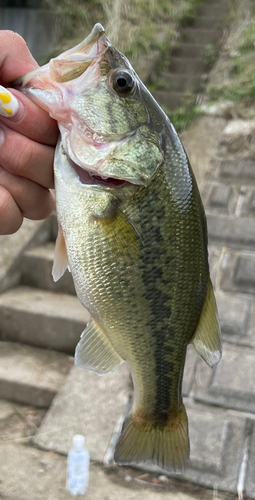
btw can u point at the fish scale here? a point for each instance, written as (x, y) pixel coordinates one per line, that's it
(132, 229)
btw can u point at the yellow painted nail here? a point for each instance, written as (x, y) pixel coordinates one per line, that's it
(6, 97)
(8, 110)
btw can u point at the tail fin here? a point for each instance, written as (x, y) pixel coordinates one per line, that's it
(166, 446)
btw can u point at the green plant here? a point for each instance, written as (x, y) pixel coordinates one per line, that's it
(188, 13)
(135, 27)
(182, 116)
(238, 81)
(158, 84)
(210, 55)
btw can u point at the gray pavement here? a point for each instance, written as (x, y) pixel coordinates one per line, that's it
(30, 375)
(43, 477)
(35, 439)
(86, 404)
(220, 402)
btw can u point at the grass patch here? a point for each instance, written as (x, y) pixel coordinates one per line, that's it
(144, 30)
(137, 28)
(182, 116)
(239, 81)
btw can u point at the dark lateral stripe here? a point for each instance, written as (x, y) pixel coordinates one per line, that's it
(155, 259)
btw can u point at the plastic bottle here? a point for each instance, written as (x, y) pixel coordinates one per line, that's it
(78, 467)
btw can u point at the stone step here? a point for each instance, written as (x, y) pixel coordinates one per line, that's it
(86, 404)
(201, 36)
(232, 384)
(237, 272)
(195, 51)
(234, 232)
(239, 170)
(168, 100)
(186, 65)
(30, 375)
(41, 318)
(213, 9)
(237, 316)
(238, 138)
(36, 270)
(205, 22)
(182, 83)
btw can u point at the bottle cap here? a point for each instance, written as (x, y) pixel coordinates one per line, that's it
(78, 442)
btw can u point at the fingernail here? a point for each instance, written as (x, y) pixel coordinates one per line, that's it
(9, 105)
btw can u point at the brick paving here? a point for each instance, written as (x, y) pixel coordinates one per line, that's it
(220, 402)
(229, 198)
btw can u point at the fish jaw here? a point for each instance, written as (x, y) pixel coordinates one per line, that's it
(50, 86)
(69, 176)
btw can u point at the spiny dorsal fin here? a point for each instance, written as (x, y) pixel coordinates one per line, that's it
(206, 340)
(60, 256)
(95, 352)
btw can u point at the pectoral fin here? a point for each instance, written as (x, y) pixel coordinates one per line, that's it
(120, 232)
(206, 340)
(60, 256)
(95, 352)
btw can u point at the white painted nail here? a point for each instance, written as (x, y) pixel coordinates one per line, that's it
(9, 105)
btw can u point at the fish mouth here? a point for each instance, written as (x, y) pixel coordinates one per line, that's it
(66, 169)
(67, 66)
(90, 178)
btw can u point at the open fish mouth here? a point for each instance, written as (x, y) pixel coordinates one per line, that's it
(92, 179)
(69, 65)
(70, 171)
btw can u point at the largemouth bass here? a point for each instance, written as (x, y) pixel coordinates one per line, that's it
(132, 229)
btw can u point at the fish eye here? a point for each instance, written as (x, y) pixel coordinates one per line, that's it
(123, 82)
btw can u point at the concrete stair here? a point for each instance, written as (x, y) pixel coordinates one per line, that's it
(40, 324)
(201, 36)
(30, 375)
(40, 260)
(169, 100)
(41, 318)
(188, 66)
(181, 83)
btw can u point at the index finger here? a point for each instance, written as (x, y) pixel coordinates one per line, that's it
(15, 61)
(15, 57)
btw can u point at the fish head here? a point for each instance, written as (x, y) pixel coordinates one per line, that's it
(103, 110)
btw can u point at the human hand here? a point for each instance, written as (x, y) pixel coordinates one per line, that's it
(27, 143)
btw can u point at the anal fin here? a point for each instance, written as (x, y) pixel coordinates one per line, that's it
(206, 340)
(95, 352)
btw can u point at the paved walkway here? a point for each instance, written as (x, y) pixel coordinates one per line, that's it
(220, 402)
(229, 197)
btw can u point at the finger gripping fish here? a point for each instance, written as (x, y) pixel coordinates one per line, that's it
(132, 229)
